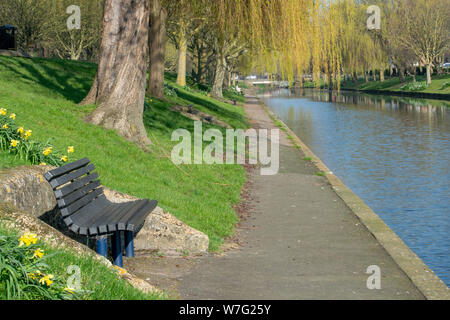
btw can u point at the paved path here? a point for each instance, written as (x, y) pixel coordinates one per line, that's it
(300, 242)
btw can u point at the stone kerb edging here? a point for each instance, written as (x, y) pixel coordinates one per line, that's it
(420, 274)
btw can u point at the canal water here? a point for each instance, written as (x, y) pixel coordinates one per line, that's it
(393, 152)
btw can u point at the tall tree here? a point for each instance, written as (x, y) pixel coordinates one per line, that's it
(73, 43)
(157, 49)
(226, 49)
(185, 19)
(119, 86)
(423, 27)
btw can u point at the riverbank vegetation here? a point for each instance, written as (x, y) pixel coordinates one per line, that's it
(411, 44)
(438, 86)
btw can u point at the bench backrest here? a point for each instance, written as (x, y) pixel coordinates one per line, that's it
(75, 185)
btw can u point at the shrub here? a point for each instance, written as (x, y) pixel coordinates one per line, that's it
(25, 275)
(415, 86)
(445, 85)
(16, 140)
(169, 91)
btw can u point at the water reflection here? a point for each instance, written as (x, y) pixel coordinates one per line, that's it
(393, 152)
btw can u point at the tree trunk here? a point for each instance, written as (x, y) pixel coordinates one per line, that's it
(182, 51)
(401, 74)
(219, 76)
(202, 66)
(157, 49)
(355, 77)
(366, 76)
(227, 79)
(200, 74)
(330, 81)
(119, 86)
(428, 74)
(381, 75)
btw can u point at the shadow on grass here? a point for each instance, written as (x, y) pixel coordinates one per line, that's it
(70, 79)
(210, 106)
(159, 117)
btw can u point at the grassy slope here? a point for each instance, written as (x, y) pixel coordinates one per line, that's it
(44, 95)
(95, 276)
(394, 84)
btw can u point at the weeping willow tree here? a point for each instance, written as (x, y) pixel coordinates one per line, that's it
(288, 38)
(276, 33)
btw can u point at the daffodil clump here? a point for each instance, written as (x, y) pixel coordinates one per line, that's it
(16, 140)
(25, 275)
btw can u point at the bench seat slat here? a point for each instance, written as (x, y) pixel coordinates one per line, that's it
(81, 202)
(71, 176)
(123, 221)
(86, 211)
(113, 217)
(110, 215)
(72, 197)
(65, 169)
(139, 218)
(77, 184)
(88, 220)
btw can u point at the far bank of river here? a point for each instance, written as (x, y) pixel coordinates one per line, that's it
(392, 152)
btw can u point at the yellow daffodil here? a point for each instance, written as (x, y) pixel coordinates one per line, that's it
(64, 158)
(69, 290)
(14, 143)
(42, 164)
(120, 270)
(5, 126)
(38, 253)
(27, 239)
(13, 116)
(47, 151)
(70, 149)
(32, 276)
(47, 280)
(20, 130)
(27, 134)
(2, 112)
(35, 275)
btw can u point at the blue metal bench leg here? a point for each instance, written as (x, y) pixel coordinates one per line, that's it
(129, 245)
(102, 245)
(117, 249)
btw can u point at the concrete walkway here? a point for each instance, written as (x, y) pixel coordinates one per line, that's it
(301, 242)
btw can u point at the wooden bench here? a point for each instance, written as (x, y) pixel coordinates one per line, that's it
(86, 211)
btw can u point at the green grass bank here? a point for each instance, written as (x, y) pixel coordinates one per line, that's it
(44, 94)
(439, 88)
